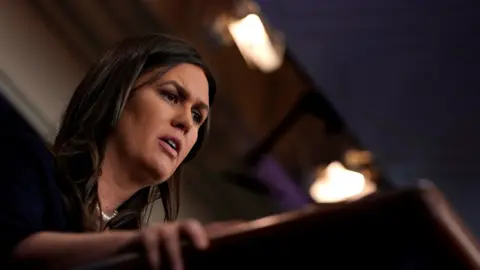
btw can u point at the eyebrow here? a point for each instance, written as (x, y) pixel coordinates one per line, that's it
(186, 94)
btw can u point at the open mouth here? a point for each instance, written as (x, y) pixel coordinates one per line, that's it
(172, 144)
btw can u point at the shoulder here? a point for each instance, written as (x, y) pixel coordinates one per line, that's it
(23, 152)
(30, 198)
(28, 175)
(27, 169)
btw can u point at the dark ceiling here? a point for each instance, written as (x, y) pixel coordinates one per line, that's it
(404, 75)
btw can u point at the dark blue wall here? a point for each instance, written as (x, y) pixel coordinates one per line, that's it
(405, 75)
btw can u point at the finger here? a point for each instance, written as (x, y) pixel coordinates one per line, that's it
(171, 242)
(219, 228)
(151, 243)
(196, 232)
(223, 224)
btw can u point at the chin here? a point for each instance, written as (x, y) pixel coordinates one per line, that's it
(157, 177)
(160, 173)
(157, 170)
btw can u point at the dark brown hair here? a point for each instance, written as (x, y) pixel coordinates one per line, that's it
(93, 111)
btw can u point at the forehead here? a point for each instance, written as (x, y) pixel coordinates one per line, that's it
(188, 76)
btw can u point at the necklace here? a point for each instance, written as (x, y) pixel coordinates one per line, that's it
(106, 218)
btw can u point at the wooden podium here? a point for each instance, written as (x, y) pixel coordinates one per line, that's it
(406, 229)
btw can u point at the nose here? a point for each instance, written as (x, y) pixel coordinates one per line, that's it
(182, 120)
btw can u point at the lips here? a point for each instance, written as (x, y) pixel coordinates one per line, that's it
(171, 144)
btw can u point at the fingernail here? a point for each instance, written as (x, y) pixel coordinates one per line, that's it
(205, 244)
(205, 241)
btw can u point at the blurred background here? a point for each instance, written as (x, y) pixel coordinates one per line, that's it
(318, 101)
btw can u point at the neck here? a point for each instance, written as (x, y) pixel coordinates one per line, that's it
(116, 184)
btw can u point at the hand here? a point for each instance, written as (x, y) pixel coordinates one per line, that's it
(167, 235)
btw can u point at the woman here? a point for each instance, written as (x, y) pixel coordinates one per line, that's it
(140, 113)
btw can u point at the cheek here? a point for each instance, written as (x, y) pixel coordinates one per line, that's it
(134, 126)
(147, 116)
(137, 129)
(130, 135)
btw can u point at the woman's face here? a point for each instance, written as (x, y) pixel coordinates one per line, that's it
(161, 120)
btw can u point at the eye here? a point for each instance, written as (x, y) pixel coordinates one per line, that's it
(197, 117)
(170, 97)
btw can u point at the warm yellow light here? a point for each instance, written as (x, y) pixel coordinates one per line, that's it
(339, 184)
(254, 43)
